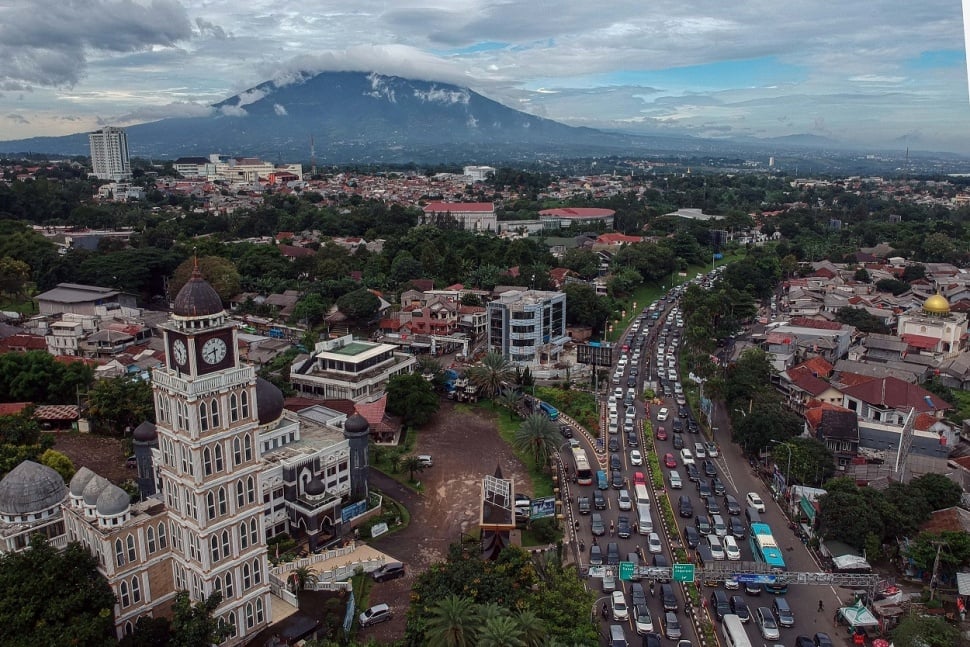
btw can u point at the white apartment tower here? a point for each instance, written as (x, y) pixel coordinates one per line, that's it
(207, 426)
(109, 154)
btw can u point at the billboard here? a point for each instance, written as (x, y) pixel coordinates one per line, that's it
(595, 353)
(544, 507)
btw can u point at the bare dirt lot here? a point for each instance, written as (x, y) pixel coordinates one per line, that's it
(465, 445)
(104, 456)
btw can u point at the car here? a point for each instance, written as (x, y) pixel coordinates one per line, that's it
(717, 486)
(717, 548)
(637, 594)
(731, 505)
(752, 589)
(822, 639)
(686, 457)
(717, 523)
(678, 442)
(599, 501)
(711, 504)
(639, 478)
(731, 549)
(693, 427)
(682, 412)
(615, 462)
(618, 602)
(632, 380)
(699, 450)
(654, 545)
(703, 524)
(595, 556)
(668, 597)
(783, 612)
(609, 580)
(389, 571)
(583, 505)
(678, 426)
(623, 500)
(662, 414)
(375, 614)
(767, 624)
(672, 626)
(709, 468)
(671, 374)
(636, 458)
(720, 604)
(684, 507)
(566, 431)
(612, 554)
(662, 433)
(573, 443)
(669, 460)
(631, 437)
(756, 502)
(617, 481)
(597, 525)
(653, 640)
(736, 526)
(623, 528)
(614, 445)
(642, 619)
(731, 583)
(691, 536)
(693, 474)
(631, 411)
(804, 641)
(712, 450)
(740, 608)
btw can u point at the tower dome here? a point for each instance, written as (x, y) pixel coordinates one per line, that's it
(269, 401)
(93, 489)
(197, 298)
(314, 487)
(80, 481)
(113, 501)
(356, 424)
(936, 304)
(145, 432)
(30, 487)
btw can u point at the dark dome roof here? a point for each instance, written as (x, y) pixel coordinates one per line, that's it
(315, 487)
(94, 488)
(269, 401)
(113, 501)
(80, 481)
(197, 298)
(30, 487)
(145, 432)
(356, 424)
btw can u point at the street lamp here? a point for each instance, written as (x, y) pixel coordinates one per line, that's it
(788, 469)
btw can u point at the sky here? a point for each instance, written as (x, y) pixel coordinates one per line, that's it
(880, 74)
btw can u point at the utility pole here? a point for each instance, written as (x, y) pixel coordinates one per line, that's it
(936, 568)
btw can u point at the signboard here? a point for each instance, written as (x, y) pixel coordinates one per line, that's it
(349, 512)
(683, 573)
(595, 353)
(626, 571)
(544, 507)
(378, 529)
(751, 578)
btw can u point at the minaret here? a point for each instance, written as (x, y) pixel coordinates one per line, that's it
(207, 426)
(357, 433)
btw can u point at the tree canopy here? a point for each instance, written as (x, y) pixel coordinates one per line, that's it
(412, 397)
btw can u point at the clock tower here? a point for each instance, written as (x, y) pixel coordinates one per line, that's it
(207, 426)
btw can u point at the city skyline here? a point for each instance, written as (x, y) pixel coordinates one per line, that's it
(878, 74)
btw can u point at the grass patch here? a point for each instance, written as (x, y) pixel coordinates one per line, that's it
(578, 405)
(389, 461)
(540, 478)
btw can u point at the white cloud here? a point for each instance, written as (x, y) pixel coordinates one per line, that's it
(279, 110)
(233, 111)
(440, 95)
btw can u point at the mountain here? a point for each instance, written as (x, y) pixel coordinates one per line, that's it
(356, 117)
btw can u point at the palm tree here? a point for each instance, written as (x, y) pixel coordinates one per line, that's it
(491, 374)
(301, 577)
(454, 622)
(538, 436)
(509, 398)
(501, 631)
(532, 626)
(412, 464)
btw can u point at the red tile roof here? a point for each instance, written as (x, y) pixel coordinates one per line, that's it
(12, 408)
(893, 393)
(22, 342)
(577, 212)
(616, 239)
(814, 415)
(292, 251)
(57, 412)
(456, 207)
(819, 366)
(807, 382)
(853, 379)
(921, 341)
(820, 324)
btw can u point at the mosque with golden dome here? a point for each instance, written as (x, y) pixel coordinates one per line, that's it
(933, 329)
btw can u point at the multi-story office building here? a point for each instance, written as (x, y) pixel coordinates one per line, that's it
(109, 154)
(528, 326)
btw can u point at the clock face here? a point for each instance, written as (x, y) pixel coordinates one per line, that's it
(214, 351)
(179, 352)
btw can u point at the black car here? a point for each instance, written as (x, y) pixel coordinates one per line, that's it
(631, 381)
(703, 489)
(678, 442)
(709, 468)
(822, 639)
(804, 641)
(599, 501)
(731, 505)
(583, 504)
(682, 412)
(637, 595)
(693, 427)
(691, 536)
(631, 440)
(614, 444)
(389, 571)
(752, 589)
(703, 524)
(685, 507)
(669, 597)
(678, 426)
(566, 431)
(615, 462)
(693, 473)
(717, 486)
(737, 529)
(740, 608)
(623, 529)
(618, 481)
(612, 554)
(712, 507)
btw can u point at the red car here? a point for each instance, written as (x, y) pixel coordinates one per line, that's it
(669, 460)
(639, 478)
(661, 433)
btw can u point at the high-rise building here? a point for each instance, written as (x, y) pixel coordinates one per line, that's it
(109, 154)
(528, 326)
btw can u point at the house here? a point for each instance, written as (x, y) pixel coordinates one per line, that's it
(83, 299)
(837, 428)
(889, 399)
(804, 387)
(474, 216)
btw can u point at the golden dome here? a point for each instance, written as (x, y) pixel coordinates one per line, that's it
(936, 304)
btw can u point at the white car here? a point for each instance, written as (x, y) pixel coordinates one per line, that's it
(636, 458)
(642, 619)
(700, 451)
(711, 448)
(731, 548)
(717, 548)
(654, 545)
(662, 415)
(624, 502)
(573, 443)
(671, 374)
(755, 501)
(620, 611)
(686, 457)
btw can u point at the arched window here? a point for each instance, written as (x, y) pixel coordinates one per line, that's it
(131, 548)
(226, 544)
(223, 506)
(247, 579)
(236, 452)
(257, 571)
(214, 413)
(250, 618)
(233, 408)
(253, 532)
(162, 541)
(214, 548)
(135, 590)
(259, 610)
(206, 461)
(129, 629)
(231, 620)
(125, 597)
(217, 453)
(210, 502)
(203, 417)
(217, 585)
(248, 447)
(229, 592)
(243, 536)
(119, 552)
(240, 495)
(251, 489)
(150, 537)
(244, 402)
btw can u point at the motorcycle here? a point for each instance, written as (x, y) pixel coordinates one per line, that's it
(582, 546)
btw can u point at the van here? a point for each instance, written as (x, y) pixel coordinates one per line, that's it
(704, 556)
(720, 604)
(752, 515)
(425, 460)
(675, 481)
(601, 482)
(617, 636)
(644, 519)
(783, 612)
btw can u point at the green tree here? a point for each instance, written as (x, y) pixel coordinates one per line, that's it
(851, 529)
(538, 436)
(585, 308)
(311, 309)
(862, 276)
(500, 631)
(412, 464)
(925, 631)
(953, 547)
(912, 510)
(80, 613)
(194, 624)
(811, 461)
(768, 421)
(453, 622)
(413, 398)
(120, 404)
(895, 286)
(58, 462)
(939, 491)
(302, 577)
(490, 375)
(149, 632)
(359, 305)
(36, 376)
(584, 262)
(861, 319)
(14, 276)
(563, 604)
(510, 399)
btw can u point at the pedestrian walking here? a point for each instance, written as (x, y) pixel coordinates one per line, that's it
(821, 606)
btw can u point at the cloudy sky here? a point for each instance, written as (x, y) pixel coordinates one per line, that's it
(880, 73)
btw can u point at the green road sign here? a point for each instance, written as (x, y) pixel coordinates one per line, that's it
(683, 572)
(626, 571)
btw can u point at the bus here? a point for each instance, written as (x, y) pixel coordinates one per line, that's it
(765, 550)
(733, 631)
(584, 475)
(551, 412)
